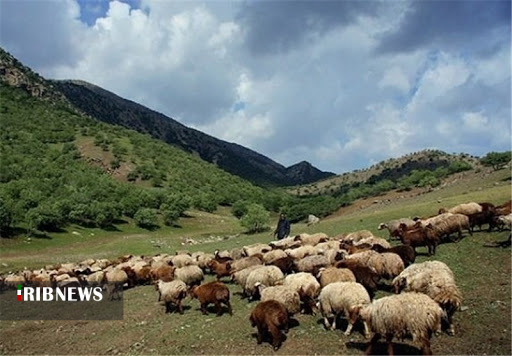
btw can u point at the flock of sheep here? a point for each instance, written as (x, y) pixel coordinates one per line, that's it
(306, 273)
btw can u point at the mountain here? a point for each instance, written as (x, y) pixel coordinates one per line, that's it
(392, 169)
(108, 107)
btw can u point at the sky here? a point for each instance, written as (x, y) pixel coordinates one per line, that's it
(341, 84)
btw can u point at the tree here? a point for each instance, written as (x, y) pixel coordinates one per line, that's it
(146, 218)
(496, 160)
(239, 208)
(256, 219)
(5, 218)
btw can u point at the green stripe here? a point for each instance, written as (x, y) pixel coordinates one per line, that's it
(19, 286)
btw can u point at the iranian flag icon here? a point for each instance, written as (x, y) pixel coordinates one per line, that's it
(19, 293)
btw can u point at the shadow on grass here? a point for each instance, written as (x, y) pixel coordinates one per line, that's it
(381, 348)
(342, 324)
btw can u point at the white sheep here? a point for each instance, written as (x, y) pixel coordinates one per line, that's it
(312, 264)
(273, 255)
(245, 262)
(312, 240)
(306, 285)
(267, 275)
(240, 277)
(191, 275)
(343, 298)
(373, 241)
(182, 260)
(357, 235)
(393, 265)
(283, 294)
(404, 315)
(465, 209)
(332, 274)
(172, 293)
(301, 252)
(286, 243)
(393, 226)
(436, 280)
(257, 248)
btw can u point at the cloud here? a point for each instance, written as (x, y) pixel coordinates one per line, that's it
(445, 24)
(341, 84)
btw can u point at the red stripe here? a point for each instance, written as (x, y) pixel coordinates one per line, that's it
(19, 298)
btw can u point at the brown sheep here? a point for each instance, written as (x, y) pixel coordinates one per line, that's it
(365, 275)
(270, 317)
(406, 252)
(213, 292)
(484, 217)
(285, 264)
(419, 236)
(504, 209)
(164, 273)
(220, 269)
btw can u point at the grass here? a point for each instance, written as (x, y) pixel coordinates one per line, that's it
(483, 274)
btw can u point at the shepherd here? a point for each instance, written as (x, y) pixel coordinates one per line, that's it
(283, 227)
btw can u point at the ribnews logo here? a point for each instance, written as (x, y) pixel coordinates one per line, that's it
(22, 302)
(48, 294)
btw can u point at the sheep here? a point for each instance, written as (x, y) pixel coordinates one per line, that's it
(404, 315)
(333, 255)
(484, 217)
(465, 209)
(284, 244)
(351, 248)
(172, 293)
(283, 294)
(13, 280)
(273, 255)
(372, 241)
(328, 245)
(182, 260)
(343, 297)
(285, 264)
(312, 264)
(332, 274)
(406, 252)
(392, 266)
(267, 275)
(162, 272)
(190, 275)
(393, 226)
(213, 292)
(257, 248)
(270, 316)
(504, 209)
(357, 235)
(306, 285)
(240, 277)
(95, 279)
(301, 252)
(202, 259)
(245, 262)
(311, 240)
(222, 256)
(237, 253)
(419, 236)
(220, 269)
(448, 223)
(365, 275)
(505, 220)
(115, 279)
(369, 258)
(435, 279)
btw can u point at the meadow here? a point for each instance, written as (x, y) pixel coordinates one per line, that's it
(482, 273)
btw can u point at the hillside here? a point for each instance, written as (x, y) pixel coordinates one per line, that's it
(108, 107)
(392, 169)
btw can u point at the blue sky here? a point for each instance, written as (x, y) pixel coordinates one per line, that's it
(342, 84)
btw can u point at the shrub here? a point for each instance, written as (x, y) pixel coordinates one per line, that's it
(146, 218)
(256, 219)
(239, 208)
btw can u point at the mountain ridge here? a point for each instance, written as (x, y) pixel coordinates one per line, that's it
(232, 157)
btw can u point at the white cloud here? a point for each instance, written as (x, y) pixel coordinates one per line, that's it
(326, 95)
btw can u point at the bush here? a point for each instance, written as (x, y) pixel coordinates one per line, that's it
(256, 219)
(146, 218)
(5, 217)
(239, 208)
(45, 217)
(496, 160)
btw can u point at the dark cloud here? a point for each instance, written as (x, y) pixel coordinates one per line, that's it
(33, 31)
(277, 26)
(460, 25)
